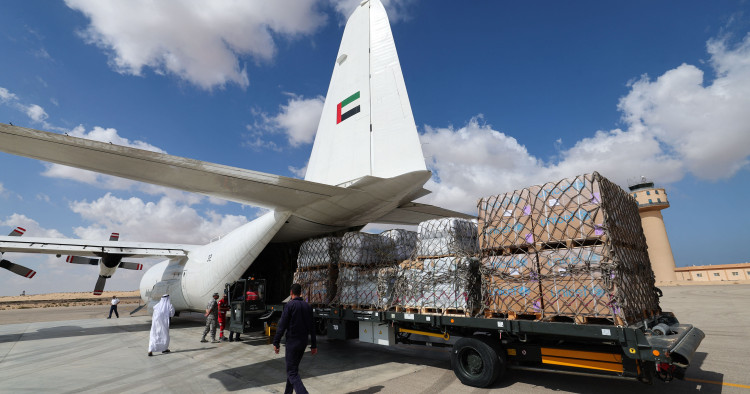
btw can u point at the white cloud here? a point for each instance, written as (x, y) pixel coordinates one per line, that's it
(6, 95)
(298, 119)
(195, 40)
(397, 9)
(298, 172)
(93, 178)
(33, 228)
(706, 125)
(36, 113)
(163, 221)
(677, 124)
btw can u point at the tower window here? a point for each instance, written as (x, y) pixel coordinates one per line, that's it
(699, 275)
(735, 273)
(648, 192)
(649, 201)
(658, 200)
(716, 274)
(635, 195)
(656, 191)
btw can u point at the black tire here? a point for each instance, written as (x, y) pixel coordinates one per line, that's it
(477, 361)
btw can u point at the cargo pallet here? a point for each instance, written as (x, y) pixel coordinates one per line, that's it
(486, 347)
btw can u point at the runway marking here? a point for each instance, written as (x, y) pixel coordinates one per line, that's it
(743, 386)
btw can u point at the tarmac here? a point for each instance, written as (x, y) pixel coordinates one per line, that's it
(76, 349)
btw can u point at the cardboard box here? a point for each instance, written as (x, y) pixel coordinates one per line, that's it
(578, 295)
(518, 266)
(560, 224)
(564, 262)
(514, 204)
(579, 190)
(509, 295)
(506, 232)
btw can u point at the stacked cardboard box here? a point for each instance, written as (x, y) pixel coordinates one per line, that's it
(442, 276)
(573, 248)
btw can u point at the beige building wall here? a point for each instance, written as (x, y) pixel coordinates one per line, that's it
(714, 273)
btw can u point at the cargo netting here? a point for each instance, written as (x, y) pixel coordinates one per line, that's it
(365, 263)
(442, 275)
(572, 250)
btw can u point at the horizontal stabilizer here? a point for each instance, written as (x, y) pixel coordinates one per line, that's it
(81, 260)
(17, 269)
(415, 213)
(131, 266)
(216, 180)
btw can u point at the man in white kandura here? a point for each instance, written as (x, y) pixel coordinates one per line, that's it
(159, 340)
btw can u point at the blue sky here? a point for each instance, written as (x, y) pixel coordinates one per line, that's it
(504, 94)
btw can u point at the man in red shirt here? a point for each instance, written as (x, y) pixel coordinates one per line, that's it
(223, 308)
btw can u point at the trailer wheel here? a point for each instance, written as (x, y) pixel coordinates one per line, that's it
(477, 361)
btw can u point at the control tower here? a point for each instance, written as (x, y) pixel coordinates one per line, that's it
(651, 200)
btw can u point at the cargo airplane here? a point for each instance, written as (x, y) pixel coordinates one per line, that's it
(366, 166)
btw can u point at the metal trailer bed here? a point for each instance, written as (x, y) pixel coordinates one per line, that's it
(486, 347)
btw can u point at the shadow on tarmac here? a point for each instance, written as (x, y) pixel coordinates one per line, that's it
(333, 357)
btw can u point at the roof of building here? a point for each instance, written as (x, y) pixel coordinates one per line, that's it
(712, 267)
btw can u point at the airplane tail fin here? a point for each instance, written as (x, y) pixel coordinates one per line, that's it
(367, 126)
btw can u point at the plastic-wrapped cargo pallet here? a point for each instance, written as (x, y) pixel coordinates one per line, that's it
(318, 285)
(572, 249)
(365, 267)
(442, 276)
(317, 269)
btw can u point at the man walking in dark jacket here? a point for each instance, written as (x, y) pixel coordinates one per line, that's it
(297, 322)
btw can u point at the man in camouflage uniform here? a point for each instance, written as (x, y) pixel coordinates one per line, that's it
(212, 317)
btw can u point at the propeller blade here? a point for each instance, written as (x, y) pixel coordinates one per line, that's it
(17, 269)
(131, 266)
(17, 232)
(114, 237)
(82, 260)
(100, 285)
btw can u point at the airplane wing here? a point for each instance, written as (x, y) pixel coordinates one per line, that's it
(415, 213)
(89, 248)
(216, 180)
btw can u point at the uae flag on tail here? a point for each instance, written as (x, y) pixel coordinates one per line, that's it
(348, 106)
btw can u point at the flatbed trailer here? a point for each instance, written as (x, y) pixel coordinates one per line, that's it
(486, 347)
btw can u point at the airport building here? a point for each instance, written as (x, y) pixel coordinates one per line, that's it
(651, 200)
(714, 273)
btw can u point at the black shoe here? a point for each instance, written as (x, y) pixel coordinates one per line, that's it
(167, 351)
(150, 354)
(109, 317)
(231, 340)
(215, 341)
(203, 341)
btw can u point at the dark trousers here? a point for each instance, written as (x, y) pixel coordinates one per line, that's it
(293, 380)
(113, 308)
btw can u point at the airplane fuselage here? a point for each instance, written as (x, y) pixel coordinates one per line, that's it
(190, 281)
